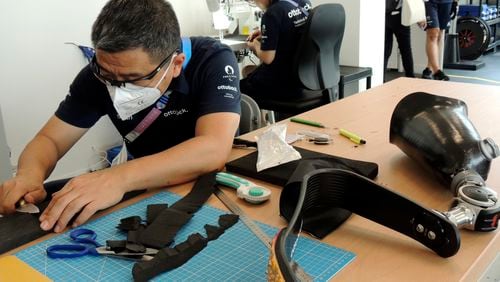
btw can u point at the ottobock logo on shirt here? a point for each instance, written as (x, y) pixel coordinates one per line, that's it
(227, 87)
(297, 11)
(175, 112)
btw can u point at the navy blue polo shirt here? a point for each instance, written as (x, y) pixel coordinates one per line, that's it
(208, 84)
(281, 27)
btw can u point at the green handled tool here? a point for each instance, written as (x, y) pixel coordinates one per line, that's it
(244, 189)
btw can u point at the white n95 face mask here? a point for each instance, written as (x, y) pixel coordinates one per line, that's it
(131, 99)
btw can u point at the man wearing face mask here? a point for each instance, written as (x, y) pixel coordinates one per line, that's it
(176, 104)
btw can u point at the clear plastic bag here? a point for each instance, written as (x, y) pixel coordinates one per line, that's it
(273, 149)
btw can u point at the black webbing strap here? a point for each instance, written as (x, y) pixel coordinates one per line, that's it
(130, 223)
(163, 223)
(170, 258)
(153, 211)
(162, 230)
(328, 188)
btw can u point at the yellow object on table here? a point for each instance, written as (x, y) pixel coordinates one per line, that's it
(14, 269)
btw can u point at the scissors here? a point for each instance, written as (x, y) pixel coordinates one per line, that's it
(88, 237)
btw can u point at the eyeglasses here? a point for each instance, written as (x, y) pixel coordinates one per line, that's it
(96, 69)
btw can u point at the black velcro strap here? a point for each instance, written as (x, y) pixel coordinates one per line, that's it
(169, 258)
(153, 211)
(228, 220)
(119, 246)
(161, 232)
(116, 246)
(130, 223)
(202, 190)
(134, 235)
(135, 248)
(213, 232)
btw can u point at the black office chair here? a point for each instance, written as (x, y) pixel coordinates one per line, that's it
(316, 62)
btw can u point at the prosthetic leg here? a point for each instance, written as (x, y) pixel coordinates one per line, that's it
(436, 132)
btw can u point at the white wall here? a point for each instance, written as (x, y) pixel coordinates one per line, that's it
(363, 43)
(36, 68)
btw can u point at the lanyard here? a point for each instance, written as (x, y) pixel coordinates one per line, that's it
(149, 118)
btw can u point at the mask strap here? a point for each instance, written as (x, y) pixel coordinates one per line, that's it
(186, 49)
(165, 73)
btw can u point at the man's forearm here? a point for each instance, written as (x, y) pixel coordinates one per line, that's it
(257, 51)
(38, 159)
(178, 164)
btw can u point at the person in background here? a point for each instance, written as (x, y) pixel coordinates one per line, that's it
(393, 26)
(438, 14)
(275, 45)
(137, 71)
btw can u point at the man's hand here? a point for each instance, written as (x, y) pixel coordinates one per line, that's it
(17, 188)
(454, 10)
(254, 35)
(422, 24)
(85, 194)
(253, 41)
(254, 45)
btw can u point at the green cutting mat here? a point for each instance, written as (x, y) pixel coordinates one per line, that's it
(236, 256)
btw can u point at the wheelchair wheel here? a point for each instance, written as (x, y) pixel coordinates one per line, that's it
(473, 37)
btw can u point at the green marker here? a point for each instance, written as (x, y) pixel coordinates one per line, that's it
(308, 122)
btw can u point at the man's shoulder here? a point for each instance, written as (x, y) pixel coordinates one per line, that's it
(284, 8)
(205, 48)
(284, 4)
(278, 7)
(86, 73)
(206, 43)
(85, 79)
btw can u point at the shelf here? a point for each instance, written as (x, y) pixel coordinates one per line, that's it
(493, 45)
(493, 21)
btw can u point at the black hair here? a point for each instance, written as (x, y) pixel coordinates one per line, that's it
(128, 24)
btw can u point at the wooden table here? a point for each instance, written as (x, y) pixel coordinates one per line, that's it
(383, 254)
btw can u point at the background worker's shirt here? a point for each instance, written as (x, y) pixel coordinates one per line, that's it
(280, 27)
(208, 84)
(393, 7)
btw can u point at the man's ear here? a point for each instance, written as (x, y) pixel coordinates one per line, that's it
(177, 64)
